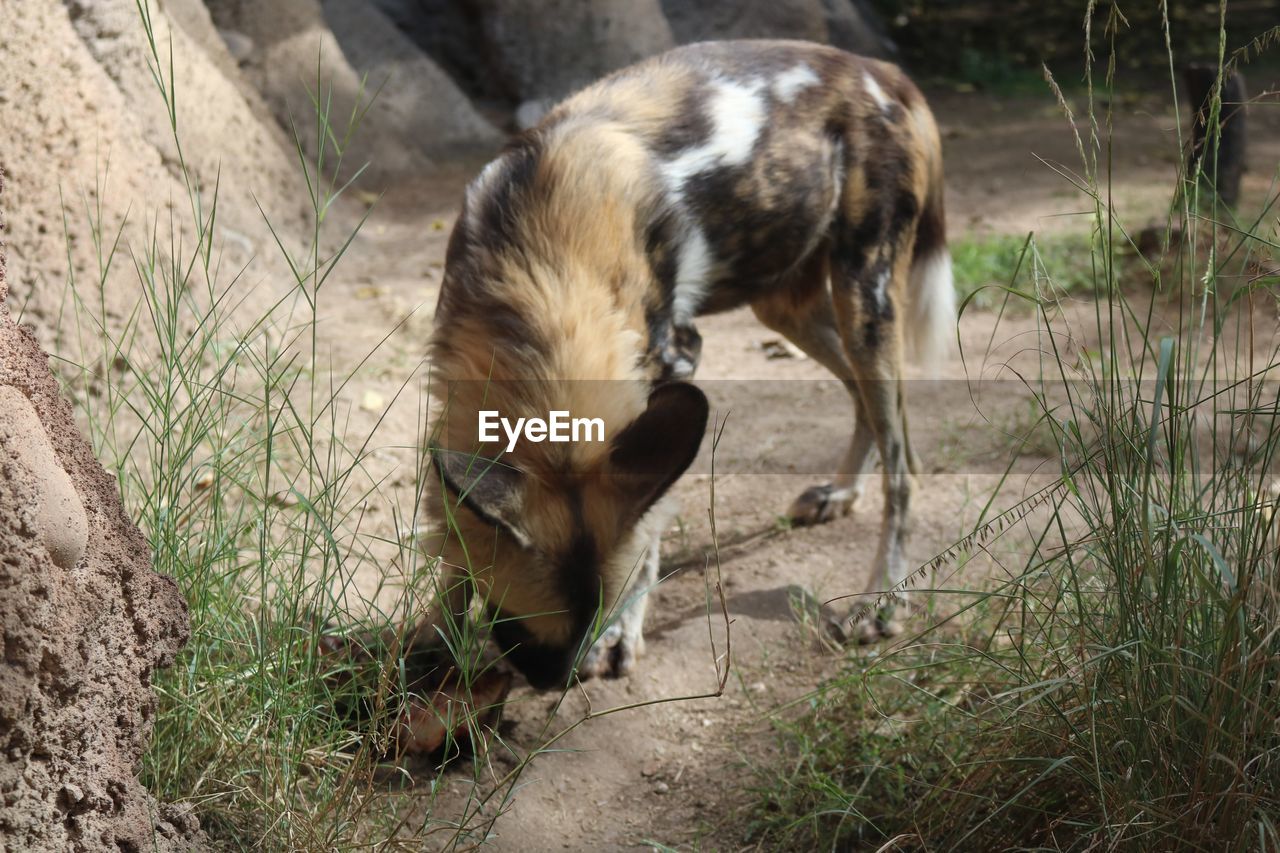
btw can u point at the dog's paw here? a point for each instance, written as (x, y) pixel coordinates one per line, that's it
(613, 656)
(867, 630)
(873, 629)
(820, 504)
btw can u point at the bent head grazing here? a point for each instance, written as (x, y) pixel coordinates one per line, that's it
(552, 538)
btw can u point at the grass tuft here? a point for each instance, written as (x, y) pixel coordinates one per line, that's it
(216, 405)
(1120, 687)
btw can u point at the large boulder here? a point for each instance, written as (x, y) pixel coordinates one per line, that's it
(450, 32)
(193, 18)
(86, 143)
(84, 622)
(428, 108)
(847, 24)
(417, 116)
(225, 132)
(576, 41)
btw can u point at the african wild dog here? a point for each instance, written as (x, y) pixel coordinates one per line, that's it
(791, 177)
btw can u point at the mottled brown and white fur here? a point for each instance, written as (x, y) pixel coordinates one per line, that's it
(791, 177)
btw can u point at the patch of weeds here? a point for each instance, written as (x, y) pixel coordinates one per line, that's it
(996, 74)
(1119, 685)
(861, 752)
(985, 268)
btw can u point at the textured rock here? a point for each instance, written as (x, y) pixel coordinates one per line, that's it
(853, 25)
(55, 513)
(846, 24)
(418, 114)
(426, 109)
(84, 622)
(449, 32)
(83, 127)
(577, 41)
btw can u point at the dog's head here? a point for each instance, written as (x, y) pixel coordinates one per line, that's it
(554, 546)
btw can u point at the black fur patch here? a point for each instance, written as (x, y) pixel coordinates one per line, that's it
(578, 570)
(931, 231)
(865, 251)
(659, 247)
(580, 585)
(489, 225)
(545, 667)
(691, 127)
(760, 218)
(498, 209)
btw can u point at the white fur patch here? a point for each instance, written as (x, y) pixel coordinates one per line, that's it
(877, 94)
(693, 269)
(931, 331)
(481, 182)
(737, 112)
(789, 83)
(881, 290)
(480, 185)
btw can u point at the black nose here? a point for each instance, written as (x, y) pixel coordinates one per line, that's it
(546, 667)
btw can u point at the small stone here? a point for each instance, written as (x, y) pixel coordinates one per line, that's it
(372, 401)
(661, 788)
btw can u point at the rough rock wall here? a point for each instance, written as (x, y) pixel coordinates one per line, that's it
(84, 622)
(83, 126)
(424, 106)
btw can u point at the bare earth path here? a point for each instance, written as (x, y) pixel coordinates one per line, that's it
(673, 773)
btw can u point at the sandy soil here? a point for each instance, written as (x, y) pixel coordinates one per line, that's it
(672, 773)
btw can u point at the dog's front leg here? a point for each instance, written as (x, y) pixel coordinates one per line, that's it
(616, 651)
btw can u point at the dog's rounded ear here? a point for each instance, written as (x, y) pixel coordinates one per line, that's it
(655, 449)
(490, 488)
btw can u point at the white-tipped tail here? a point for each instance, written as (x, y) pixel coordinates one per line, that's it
(931, 327)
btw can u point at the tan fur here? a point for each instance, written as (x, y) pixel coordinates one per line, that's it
(587, 306)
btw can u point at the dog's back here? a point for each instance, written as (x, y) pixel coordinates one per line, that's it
(718, 169)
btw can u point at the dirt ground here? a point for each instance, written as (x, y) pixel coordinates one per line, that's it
(673, 773)
(90, 139)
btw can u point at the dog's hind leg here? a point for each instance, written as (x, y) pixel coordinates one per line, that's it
(868, 300)
(803, 312)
